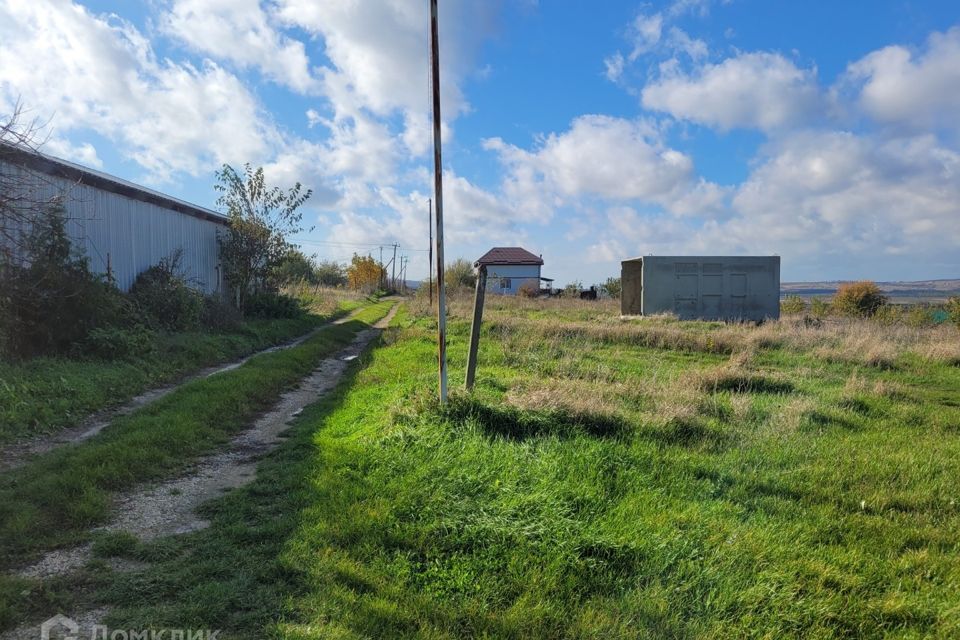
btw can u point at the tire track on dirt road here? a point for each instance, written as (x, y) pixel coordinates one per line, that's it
(19, 453)
(169, 508)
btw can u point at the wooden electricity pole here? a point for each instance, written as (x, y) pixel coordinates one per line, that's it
(475, 327)
(438, 194)
(393, 269)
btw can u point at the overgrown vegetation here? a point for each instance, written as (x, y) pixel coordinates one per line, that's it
(793, 304)
(41, 395)
(56, 498)
(953, 308)
(613, 287)
(262, 218)
(296, 267)
(51, 298)
(460, 273)
(649, 478)
(164, 298)
(861, 298)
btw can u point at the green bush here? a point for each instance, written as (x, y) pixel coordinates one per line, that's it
(861, 299)
(272, 305)
(953, 308)
(460, 273)
(216, 314)
(793, 305)
(888, 315)
(162, 295)
(819, 308)
(53, 301)
(613, 286)
(116, 343)
(920, 316)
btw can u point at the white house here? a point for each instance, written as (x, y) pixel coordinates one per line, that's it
(509, 268)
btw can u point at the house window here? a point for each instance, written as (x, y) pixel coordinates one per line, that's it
(505, 283)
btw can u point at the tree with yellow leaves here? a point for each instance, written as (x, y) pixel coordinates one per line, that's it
(365, 273)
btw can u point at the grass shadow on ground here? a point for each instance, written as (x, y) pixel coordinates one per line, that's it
(516, 424)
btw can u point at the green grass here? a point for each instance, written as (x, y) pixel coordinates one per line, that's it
(591, 487)
(53, 500)
(46, 394)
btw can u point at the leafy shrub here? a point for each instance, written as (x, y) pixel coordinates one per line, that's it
(889, 315)
(459, 273)
(331, 274)
(54, 301)
(861, 299)
(163, 296)
(953, 308)
(272, 305)
(116, 343)
(216, 314)
(613, 287)
(573, 289)
(528, 290)
(819, 308)
(793, 305)
(920, 316)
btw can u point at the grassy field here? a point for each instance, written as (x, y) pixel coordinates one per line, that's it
(649, 478)
(45, 394)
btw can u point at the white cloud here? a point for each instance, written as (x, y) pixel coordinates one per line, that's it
(614, 66)
(645, 31)
(754, 90)
(474, 219)
(605, 157)
(83, 153)
(100, 74)
(240, 31)
(695, 48)
(836, 192)
(918, 90)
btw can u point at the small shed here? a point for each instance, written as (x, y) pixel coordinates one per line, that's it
(509, 268)
(702, 287)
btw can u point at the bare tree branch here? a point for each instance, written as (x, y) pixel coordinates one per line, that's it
(21, 190)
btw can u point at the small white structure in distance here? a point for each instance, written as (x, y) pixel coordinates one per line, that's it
(509, 268)
(702, 287)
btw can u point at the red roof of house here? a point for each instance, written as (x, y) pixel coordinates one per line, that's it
(509, 255)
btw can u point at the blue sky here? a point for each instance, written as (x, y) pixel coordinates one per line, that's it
(825, 132)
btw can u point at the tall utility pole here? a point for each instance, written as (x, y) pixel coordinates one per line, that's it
(393, 268)
(430, 250)
(438, 194)
(382, 272)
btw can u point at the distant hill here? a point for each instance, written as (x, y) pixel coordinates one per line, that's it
(900, 291)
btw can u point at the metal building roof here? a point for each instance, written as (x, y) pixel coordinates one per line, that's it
(509, 255)
(59, 167)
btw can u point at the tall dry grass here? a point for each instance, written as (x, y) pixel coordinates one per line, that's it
(860, 341)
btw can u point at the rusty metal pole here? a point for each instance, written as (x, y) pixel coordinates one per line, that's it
(475, 327)
(430, 249)
(438, 194)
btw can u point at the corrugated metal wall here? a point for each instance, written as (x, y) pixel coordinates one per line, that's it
(131, 234)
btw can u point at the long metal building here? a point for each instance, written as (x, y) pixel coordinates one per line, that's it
(123, 228)
(705, 287)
